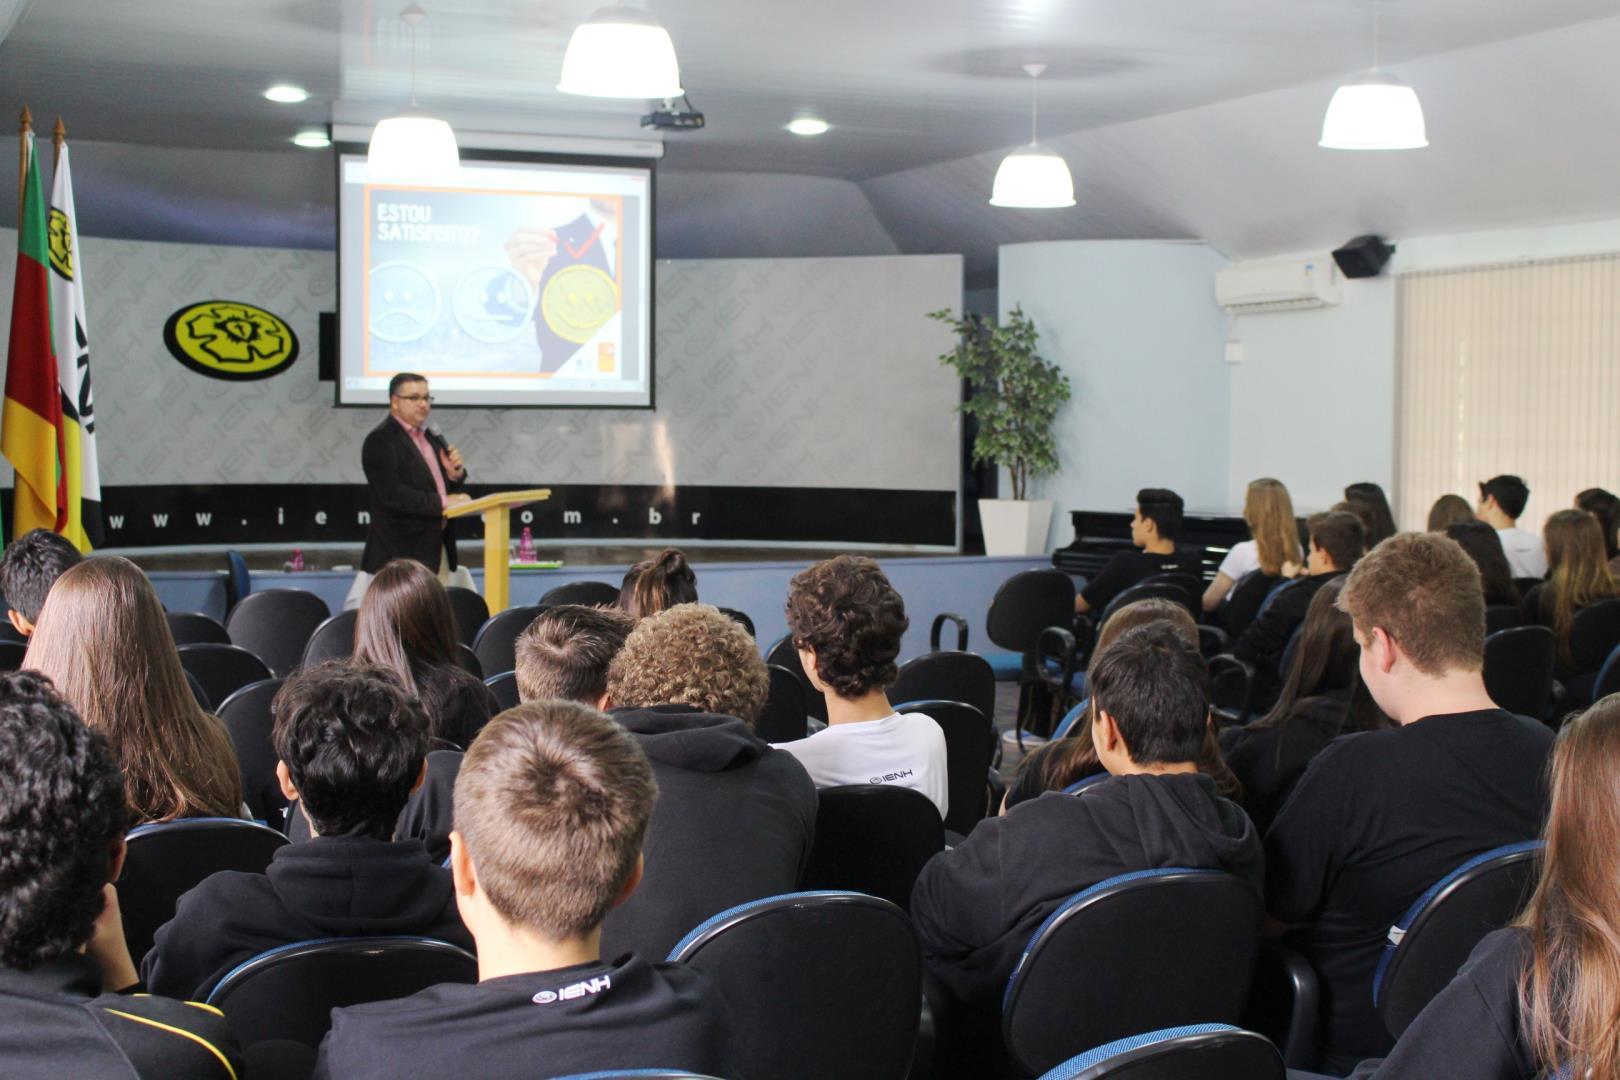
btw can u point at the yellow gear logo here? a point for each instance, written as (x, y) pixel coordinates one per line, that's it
(577, 301)
(227, 339)
(59, 242)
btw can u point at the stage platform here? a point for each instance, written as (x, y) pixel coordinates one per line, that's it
(752, 580)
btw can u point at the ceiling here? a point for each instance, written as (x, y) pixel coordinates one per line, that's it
(1181, 118)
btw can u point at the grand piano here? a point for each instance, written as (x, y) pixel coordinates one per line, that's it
(1099, 535)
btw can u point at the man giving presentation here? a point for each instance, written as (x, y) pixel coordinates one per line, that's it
(412, 475)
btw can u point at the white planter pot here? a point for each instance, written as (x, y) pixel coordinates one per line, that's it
(1015, 526)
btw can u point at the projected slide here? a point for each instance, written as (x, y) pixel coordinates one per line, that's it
(512, 285)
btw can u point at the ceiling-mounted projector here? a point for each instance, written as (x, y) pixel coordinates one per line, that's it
(670, 117)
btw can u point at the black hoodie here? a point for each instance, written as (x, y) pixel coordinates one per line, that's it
(733, 822)
(332, 886)
(976, 906)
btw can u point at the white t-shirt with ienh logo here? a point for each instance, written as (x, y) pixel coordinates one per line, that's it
(907, 749)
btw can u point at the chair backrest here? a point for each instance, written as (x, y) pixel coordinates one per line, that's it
(947, 676)
(1193, 1052)
(1145, 590)
(1433, 938)
(1191, 584)
(11, 655)
(496, 644)
(332, 640)
(1247, 596)
(469, 661)
(970, 743)
(276, 624)
(1286, 660)
(1594, 634)
(190, 627)
(505, 688)
(1137, 952)
(246, 716)
(637, 1074)
(1071, 720)
(873, 839)
(588, 593)
(199, 693)
(783, 718)
(783, 967)
(1027, 603)
(222, 670)
(167, 859)
(740, 618)
(784, 655)
(1519, 669)
(1525, 584)
(288, 993)
(1502, 617)
(238, 582)
(1608, 679)
(469, 611)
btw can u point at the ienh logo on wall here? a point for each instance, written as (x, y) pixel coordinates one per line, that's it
(229, 339)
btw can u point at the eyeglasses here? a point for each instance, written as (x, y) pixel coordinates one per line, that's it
(416, 397)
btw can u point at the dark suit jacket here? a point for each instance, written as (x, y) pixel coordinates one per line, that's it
(407, 519)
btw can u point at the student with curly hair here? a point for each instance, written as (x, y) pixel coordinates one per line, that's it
(846, 621)
(65, 972)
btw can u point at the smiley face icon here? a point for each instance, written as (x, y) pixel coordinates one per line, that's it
(577, 301)
(402, 302)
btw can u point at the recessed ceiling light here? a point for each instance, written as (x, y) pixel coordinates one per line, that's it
(287, 94)
(312, 140)
(808, 125)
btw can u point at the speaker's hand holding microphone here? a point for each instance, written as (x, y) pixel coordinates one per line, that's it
(449, 457)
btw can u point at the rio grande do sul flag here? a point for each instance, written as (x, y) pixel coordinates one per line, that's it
(81, 475)
(31, 419)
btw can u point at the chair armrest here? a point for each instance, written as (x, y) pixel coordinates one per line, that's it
(1056, 643)
(940, 620)
(1231, 687)
(1285, 1003)
(1212, 640)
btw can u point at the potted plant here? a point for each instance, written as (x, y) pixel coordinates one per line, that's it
(1014, 396)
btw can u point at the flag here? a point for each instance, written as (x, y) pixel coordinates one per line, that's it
(81, 475)
(31, 418)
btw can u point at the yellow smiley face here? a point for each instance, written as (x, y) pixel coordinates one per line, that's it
(577, 301)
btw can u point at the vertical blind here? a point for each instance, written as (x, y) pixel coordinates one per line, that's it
(1508, 369)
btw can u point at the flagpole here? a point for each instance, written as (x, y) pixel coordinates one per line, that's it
(58, 137)
(22, 156)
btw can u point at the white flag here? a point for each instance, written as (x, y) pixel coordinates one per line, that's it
(70, 334)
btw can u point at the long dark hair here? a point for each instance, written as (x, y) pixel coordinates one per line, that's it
(1325, 665)
(1484, 546)
(658, 583)
(406, 625)
(1604, 506)
(1368, 503)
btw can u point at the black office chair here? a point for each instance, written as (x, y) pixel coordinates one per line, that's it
(1191, 584)
(238, 581)
(1525, 584)
(469, 611)
(190, 628)
(948, 676)
(1193, 1052)
(1026, 604)
(496, 644)
(1138, 952)
(741, 618)
(11, 655)
(588, 593)
(1285, 1003)
(505, 688)
(1246, 599)
(783, 655)
(783, 718)
(1145, 590)
(199, 693)
(783, 966)
(168, 858)
(288, 993)
(637, 1074)
(246, 716)
(1502, 617)
(222, 670)
(1519, 669)
(276, 624)
(970, 744)
(1593, 635)
(873, 839)
(1431, 941)
(332, 640)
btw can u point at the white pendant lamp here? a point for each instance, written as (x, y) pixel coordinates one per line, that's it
(1033, 177)
(1374, 111)
(621, 52)
(411, 146)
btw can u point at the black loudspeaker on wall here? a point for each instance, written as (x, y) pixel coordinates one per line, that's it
(327, 355)
(1362, 257)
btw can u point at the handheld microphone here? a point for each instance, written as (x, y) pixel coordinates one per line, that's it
(436, 437)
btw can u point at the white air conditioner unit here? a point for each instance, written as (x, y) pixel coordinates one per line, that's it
(1252, 288)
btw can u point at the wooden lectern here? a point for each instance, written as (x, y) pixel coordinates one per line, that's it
(497, 510)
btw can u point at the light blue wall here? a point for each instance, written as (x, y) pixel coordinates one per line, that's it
(1136, 327)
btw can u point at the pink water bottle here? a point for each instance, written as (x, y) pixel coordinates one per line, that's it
(297, 559)
(526, 546)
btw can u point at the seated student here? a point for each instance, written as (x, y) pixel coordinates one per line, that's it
(28, 569)
(1537, 999)
(1368, 502)
(1068, 760)
(1336, 542)
(1380, 816)
(1447, 511)
(654, 584)
(68, 1001)
(975, 906)
(1484, 546)
(552, 809)
(1322, 698)
(1501, 502)
(350, 743)
(1269, 514)
(735, 818)
(1154, 528)
(1579, 576)
(846, 621)
(1603, 505)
